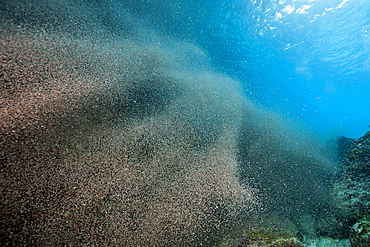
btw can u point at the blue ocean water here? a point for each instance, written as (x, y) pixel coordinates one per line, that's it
(308, 60)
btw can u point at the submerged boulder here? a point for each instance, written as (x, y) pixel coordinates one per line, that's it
(352, 190)
(361, 233)
(352, 186)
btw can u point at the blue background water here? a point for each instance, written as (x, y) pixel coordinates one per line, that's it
(308, 60)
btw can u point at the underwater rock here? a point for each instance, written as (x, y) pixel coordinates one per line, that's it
(265, 231)
(361, 233)
(286, 243)
(352, 184)
(351, 190)
(264, 237)
(257, 242)
(328, 242)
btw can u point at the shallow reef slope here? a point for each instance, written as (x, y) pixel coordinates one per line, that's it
(351, 190)
(113, 133)
(351, 187)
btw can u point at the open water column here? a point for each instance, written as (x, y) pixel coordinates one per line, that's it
(174, 123)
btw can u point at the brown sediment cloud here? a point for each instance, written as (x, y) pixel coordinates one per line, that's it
(136, 140)
(116, 144)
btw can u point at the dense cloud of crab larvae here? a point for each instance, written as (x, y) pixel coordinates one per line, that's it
(130, 137)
